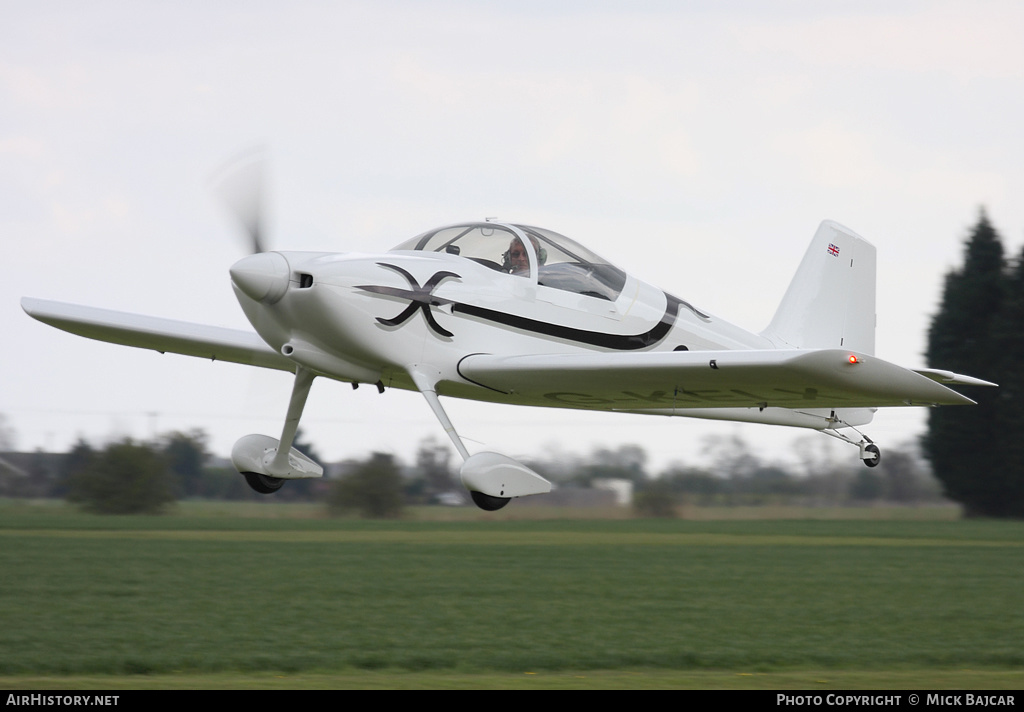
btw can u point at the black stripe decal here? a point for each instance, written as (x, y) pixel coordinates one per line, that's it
(458, 367)
(422, 298)
(619, 342)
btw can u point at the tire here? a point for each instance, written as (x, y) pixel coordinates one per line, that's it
(264, 484)
(488, 503)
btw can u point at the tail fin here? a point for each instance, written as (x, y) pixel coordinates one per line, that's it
(831, 301)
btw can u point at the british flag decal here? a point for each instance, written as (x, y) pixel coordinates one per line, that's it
(833, 250)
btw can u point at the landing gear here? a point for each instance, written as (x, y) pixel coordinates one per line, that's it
(874, 455)
(492, 479)
(266, 462)
(870, 455)
(264, 484)
(488, 503)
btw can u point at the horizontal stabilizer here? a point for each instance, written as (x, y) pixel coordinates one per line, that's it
(950, 378)
(163, 335)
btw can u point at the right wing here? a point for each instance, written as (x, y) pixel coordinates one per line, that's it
(149, 332)
(784, 378)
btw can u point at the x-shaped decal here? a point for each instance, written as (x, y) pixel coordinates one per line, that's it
(420, 298)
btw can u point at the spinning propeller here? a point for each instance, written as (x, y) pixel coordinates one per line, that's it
(241, 187)
(263, 276)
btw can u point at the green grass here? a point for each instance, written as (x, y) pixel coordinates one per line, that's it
(291, 597)
(813, 680)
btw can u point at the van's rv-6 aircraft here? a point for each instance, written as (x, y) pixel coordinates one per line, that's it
(509, 313)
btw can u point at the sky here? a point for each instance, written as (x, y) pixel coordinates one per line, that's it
(695, 144)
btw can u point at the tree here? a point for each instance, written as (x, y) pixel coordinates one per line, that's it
(905, 476)
(186, 456)
(126, 478)
(373, 487)
(656, 499)
(696, 485)
(80, 458)
(866, 486)
(967, 336)
(627, 462)
(433, 468)
(730, 456)
(1005, 496)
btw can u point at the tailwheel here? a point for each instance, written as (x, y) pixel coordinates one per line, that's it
(488, 503)
(264, 484)
(870, 455)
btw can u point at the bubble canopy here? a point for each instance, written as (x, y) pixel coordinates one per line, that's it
(530, 252)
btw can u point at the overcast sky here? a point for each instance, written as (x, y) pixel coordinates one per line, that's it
(696, 144)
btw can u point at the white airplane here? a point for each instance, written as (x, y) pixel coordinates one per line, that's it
(509, 313)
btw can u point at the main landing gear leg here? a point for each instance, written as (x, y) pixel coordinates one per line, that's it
(267, 463)
(869, 452)
(492, 479)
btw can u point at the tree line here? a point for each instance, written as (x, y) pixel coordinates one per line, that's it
(130, 476)
(978, 330)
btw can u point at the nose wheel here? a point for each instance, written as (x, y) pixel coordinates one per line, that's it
(264, 484)
(488, 503)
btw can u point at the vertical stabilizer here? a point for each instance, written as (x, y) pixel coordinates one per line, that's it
(831, 301)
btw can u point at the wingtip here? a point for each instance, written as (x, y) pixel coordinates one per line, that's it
(30, 306)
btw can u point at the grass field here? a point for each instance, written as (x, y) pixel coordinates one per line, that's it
(212, 597)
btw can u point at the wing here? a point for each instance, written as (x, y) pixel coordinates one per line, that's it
(678, 380)
(148, 332)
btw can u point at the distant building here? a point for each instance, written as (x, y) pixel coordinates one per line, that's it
(622, 489)
(31, 474)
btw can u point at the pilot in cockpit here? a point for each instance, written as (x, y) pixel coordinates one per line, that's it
(517, 260)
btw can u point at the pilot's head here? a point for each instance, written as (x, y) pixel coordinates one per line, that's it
(516, 259)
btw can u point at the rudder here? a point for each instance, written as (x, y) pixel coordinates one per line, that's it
(831, 301)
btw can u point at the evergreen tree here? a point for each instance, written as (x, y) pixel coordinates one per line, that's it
(963, 443)
(1005, 495)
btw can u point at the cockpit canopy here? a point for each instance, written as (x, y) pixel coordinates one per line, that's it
(557, 261)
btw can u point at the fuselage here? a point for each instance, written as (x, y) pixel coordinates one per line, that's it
(440, 297)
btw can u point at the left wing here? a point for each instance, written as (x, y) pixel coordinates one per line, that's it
(150, 332)
(782, 378)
